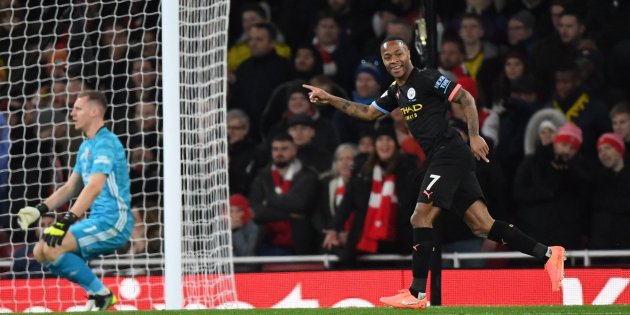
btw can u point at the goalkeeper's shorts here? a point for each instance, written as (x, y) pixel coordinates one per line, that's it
(96, 237)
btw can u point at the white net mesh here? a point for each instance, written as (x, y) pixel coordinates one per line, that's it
(52, 49)
(206, 246)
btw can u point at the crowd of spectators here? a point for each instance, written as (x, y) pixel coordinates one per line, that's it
(547, 76)
(552, 103)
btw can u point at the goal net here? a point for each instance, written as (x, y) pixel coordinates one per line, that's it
(50, 50)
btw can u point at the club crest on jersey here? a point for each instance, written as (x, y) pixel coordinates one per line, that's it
(411, 93)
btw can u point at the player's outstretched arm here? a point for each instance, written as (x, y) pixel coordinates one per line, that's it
(478, 145)
(361, 111)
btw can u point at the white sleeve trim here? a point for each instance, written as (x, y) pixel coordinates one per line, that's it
(373, 104)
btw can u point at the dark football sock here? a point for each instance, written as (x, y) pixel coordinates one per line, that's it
(503, 232)
(423, 248)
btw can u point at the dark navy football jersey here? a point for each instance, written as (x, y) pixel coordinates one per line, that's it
(424, 101)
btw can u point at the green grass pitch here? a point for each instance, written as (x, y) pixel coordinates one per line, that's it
(448, 310)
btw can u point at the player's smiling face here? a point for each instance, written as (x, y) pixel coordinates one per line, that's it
(396, 58)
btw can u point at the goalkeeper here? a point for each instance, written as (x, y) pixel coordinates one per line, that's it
(101, 180)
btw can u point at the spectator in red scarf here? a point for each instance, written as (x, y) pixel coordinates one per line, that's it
(282, 197)
(333, 188)
(380, 198)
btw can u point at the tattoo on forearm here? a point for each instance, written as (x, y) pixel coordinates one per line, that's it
(470, 111)
(352, 109)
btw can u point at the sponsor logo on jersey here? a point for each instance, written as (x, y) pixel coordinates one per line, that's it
(411, 111)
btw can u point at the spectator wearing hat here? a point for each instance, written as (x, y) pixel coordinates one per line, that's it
(380, 197)
(620, 116)
(282, 197)
(313, 154)
(610, 198)
(551, 192)
(246, 235)
(547, 132)
(580, 107)
(367, 88)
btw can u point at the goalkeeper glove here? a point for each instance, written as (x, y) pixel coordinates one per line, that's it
(54, 234)
(28, 215)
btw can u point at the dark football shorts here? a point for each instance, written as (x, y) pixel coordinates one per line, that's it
(450, 181)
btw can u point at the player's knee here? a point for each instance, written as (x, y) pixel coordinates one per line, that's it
(51, 253)
(38, 252)
(419, 220)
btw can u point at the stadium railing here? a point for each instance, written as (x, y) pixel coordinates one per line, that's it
(326, 259)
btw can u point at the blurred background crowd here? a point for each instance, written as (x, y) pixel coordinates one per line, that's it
(548, 77)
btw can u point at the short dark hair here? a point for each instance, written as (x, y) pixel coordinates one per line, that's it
(271, 30)
(472, 16)
(394, 38)
(327, 14)
(574, 13)
(282, 137)
(455, 40)
(95, 96)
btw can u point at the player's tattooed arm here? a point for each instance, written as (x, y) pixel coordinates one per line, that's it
(361, 111)
(357, 110)
(463, 98)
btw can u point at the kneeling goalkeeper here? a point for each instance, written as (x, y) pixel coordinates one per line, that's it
(101, 180)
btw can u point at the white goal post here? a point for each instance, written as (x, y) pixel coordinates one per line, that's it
(195, 79)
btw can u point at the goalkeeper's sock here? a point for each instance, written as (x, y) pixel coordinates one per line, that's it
(73, 268)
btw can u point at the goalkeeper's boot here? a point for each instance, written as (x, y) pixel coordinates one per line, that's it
(404, 299)
(555, 267)
(90, 304)
(103, 302)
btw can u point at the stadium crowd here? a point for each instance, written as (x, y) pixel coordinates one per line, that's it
(548, 77)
